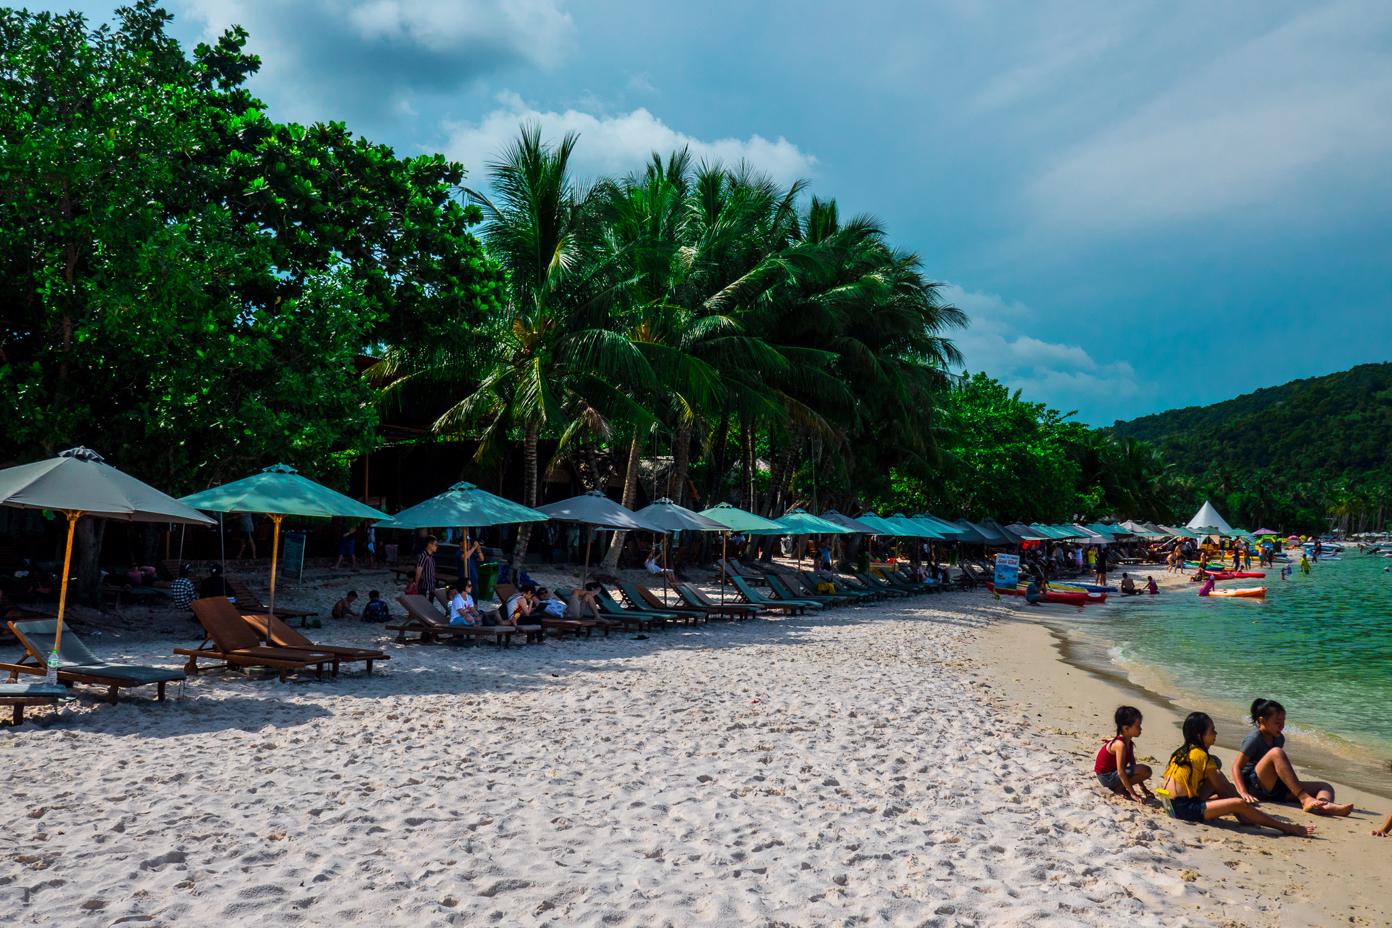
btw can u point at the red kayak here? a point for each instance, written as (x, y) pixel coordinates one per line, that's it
(1236, 574)
(1066, 597)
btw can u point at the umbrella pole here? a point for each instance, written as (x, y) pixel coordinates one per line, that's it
(589, 538)
(222, 544)
(275, 550)
(62, 597)
(724, 537)
(664, 568)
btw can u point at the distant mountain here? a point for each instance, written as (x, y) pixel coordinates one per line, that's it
(1322, 443)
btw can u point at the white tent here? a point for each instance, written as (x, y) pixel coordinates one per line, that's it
(1208, 521)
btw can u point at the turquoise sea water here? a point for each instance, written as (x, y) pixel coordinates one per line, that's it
(1321, 645)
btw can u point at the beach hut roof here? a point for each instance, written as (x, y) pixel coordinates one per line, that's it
(1208, 520)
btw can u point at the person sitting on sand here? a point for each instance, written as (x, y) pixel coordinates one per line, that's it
(656, 569)
(462, 608)
(1128, 586)
(1263, 773)
(1197, 791)
(1116, 766)
(376, 610)
(1151, 586)
(344, 607)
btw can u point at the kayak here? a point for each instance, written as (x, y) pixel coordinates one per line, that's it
(1237, 574)
(1247, 592)
(1063, 597)
(1074, 586)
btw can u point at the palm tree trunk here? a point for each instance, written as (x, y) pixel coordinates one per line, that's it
(630, 494)
(681, 463)
(529, 492)
(747, 459)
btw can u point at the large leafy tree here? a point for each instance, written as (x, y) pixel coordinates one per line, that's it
(186, 283)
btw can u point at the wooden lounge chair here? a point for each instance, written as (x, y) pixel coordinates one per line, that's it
(250, 603)
(429, 626)
(610, 607)
(640, 597)
(861, 596)
(882, 585)
(695, 599)
(284, 636)
(21, 695)
(76, 664)
(804, 584)
(896, 580)
(736, 569)
(558, 624)
(782, 594)
(229, 639)
(750, 595)
(609, 623)
(620, 618)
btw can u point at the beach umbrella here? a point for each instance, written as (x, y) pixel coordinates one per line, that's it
(734, 519)
(1263, 532)
(881, 526)
(595, 510)
(1208, 521)
(846, 522)
(79, 483)
(944, 528)
(463, 505)
(279, 491)
(674, 518)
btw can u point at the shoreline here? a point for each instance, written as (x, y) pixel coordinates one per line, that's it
(1340, 876)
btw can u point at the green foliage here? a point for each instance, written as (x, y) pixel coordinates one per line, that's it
(1289, 456)
(187, 283)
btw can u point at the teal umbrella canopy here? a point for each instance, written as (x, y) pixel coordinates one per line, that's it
(910, 527)
(846, 522)
(802, 522)
(881, 526)
(594, 508)
(79, 480)
(280, 490)
(463, 505)
(734, 519)
(944, 528)
(673, 518)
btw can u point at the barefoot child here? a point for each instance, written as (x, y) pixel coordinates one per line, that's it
(1263, 773)
(1116, 766)
(1197, 791)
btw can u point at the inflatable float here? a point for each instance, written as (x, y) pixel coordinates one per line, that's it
(1237, 574)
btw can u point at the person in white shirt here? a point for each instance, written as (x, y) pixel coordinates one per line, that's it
(462, 608)
(656, 569)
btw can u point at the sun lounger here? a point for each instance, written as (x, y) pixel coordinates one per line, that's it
(558, 624)
(896, 580)
(750, 595)
(804, 583)
(842, 589)
(430, 626)
(736, 569)
(249, 602)
(640, 597)
(605, 622)
(781, 593)
(284, 636)
(695, 599)
(229, 639)
(618, 618)
(608, 606)
(19, 696)
(77, 664)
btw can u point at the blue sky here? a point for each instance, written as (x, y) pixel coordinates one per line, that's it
(1141, 205)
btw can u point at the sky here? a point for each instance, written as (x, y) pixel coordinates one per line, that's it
(1140, 205)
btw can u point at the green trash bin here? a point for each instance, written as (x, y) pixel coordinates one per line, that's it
(487, 578)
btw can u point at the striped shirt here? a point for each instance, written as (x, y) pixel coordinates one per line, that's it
(425, 564)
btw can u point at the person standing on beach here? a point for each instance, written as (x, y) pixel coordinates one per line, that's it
(425, 569)
(1197, 791)
(1102, 566)
(1263, 772)
(247, 529)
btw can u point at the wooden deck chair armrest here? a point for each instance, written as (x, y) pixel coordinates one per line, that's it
(23, 668)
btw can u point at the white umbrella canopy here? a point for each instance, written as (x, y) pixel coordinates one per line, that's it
(77, 483)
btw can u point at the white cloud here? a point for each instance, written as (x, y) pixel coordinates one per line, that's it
(616, 144)
(1261, 122)
(1066, 376)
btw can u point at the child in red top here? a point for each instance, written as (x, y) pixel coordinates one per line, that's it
(1116, 766)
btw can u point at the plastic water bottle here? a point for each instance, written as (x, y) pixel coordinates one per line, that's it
(52, 678)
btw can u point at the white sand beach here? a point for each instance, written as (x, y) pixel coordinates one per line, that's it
(871, 766)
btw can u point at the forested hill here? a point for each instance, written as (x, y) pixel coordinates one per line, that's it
(1327, 428)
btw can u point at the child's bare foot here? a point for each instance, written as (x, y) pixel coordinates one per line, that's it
(1316, 806)
(1299, 831)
